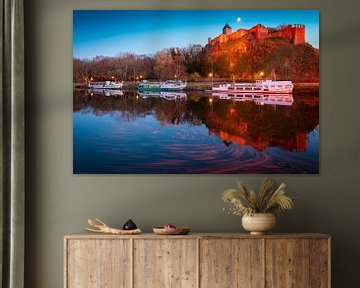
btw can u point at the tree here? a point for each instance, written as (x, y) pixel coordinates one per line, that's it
(81, 70)
(222, 65)
(165, 67)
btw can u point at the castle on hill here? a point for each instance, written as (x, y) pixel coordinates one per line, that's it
(295, 33)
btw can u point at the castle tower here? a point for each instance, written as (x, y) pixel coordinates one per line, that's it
(259, 31)
(299, 34)
(227, 29)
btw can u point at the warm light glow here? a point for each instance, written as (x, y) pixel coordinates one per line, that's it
(175, 76)
(210, 74)
(210, 100)
(140, 76)
(91, 79)
(262, 73)
(112, 77)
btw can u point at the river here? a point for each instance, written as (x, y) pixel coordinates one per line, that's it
(120, 132)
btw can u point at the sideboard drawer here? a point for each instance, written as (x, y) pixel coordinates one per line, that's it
(165, 263)
(98, 263)
(297, 263)
(231, 263)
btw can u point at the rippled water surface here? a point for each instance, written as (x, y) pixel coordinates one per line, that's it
(128, 132)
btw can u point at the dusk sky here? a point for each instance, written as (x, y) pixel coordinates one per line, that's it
(112, 32)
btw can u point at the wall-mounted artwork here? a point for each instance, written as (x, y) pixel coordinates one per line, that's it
(195, 92)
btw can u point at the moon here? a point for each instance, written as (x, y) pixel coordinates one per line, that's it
(238, 19)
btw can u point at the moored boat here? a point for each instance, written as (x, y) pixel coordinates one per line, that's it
(105, 85)
(260, 86)
(169, 85)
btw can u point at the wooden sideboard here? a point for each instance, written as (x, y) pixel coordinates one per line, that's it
(197, 260)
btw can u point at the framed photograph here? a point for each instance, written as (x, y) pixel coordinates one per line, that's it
(196, 91)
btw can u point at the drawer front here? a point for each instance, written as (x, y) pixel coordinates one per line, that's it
(231, 263)
(287, 263)
(320, 263)
(98, 263)
(297, 263)
(167, 263)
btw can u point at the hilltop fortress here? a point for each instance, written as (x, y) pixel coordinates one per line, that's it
(294, 33)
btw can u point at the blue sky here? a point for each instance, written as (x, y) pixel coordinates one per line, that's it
(111, 32)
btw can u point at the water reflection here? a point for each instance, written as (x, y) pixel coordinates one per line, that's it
(259, 99)
(164, 95)
(200, 132)
(105, 92)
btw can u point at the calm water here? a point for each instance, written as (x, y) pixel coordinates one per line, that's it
(194, 133)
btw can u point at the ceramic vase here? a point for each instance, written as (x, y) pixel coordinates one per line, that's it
(259, 223)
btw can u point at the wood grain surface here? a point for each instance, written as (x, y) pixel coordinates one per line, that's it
(98, 263)
(197, 260)
(165, 263)
(228, 263)
(319, 263)
(287, 263)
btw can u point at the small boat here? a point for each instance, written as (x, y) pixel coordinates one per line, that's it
(260, 86)
(259, 99)
(169, 85)
(105, 85)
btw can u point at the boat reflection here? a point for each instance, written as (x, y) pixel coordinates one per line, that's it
(259, 99)
(105, 92)
(164, 95)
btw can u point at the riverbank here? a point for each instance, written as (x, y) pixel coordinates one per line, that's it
(307, 84)
(306, 87)
(133, 86)
(205, 86)
(190, 86)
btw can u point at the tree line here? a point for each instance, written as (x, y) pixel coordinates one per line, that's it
(184, 63)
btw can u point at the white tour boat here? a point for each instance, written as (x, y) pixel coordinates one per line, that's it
(260, 86)
(105, 85)
(169, 85)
